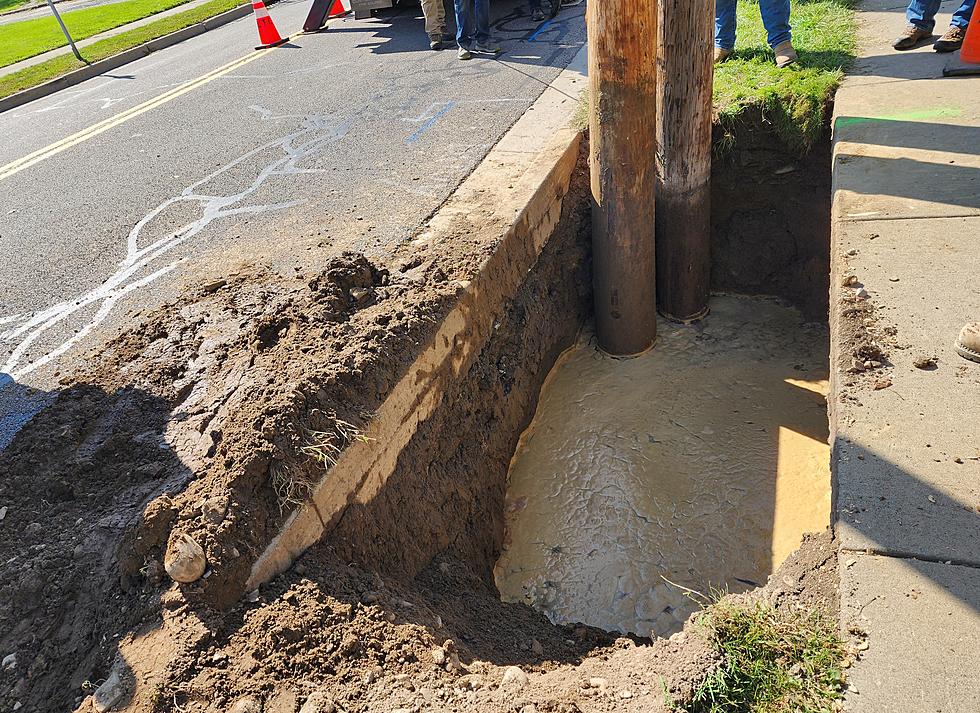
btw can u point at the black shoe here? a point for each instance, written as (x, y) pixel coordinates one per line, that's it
(951, 41)
(435, 44)
(537, 14)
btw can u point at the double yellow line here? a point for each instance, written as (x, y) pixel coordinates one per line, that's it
(57, 147)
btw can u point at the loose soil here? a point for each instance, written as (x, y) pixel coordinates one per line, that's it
(200, 422)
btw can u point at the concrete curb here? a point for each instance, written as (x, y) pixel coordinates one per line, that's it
(109, 63)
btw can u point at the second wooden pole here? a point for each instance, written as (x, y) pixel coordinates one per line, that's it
(685, 72)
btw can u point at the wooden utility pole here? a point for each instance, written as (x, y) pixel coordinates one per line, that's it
(623, 83)
(684, 78)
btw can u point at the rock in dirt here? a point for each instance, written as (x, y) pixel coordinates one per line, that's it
(9, 662)
(246, 705)
(925, 361)
(185, 561)
(439, 656)
(113, 690)
(514, 677)
(318, 702)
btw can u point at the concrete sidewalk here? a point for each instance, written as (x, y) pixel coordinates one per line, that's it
(906, 440)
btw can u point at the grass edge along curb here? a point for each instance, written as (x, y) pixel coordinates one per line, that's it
(772, 660)
(61, 67)
(795, 101)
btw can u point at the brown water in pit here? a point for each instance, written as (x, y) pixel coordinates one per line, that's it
(697, 465)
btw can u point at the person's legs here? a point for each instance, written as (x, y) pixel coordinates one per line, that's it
(725, 24)
(435, 19)
(775, 17)
(922, 14)
(462, 8)
(961, 18)
(481, 16)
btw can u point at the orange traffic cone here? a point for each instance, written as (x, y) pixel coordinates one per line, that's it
(970, 52)
(338, 8)
(268, 34)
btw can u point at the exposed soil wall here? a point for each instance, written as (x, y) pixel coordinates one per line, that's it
(770, 217)
(447, 491)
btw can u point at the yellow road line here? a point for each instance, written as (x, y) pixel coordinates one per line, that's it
(85, 134)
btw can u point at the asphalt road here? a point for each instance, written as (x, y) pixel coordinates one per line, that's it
(116, 193)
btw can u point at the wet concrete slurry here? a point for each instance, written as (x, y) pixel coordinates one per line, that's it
(698, 465)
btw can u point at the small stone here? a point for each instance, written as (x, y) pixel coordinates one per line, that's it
(373, 674)
(514, 677)
(536, 648)
(849, 280)
(529, 708)
(439, 656)
(370, 597)
(185, 561)
(852, 252)
(598, 682)
(253, 596)
(626, 694)
(932, 498)
(471, 682)
(893, 279)
(9, 662)
(862, 294)
(863, 646)
(246, 705)
(3, 512)
(214, 509)
(318, 702)
(882, 384)
(113, 690)
(924, 361)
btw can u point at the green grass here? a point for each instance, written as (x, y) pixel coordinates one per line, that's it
(773, 662)
(39, 73)
(11, 4)
(795, 99)
(20, 40)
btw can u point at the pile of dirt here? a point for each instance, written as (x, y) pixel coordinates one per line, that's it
(176, 429)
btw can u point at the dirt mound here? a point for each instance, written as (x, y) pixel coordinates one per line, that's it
(183, 418)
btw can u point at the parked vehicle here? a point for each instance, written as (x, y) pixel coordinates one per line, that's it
(364, 8)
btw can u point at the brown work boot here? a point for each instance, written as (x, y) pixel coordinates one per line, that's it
(785, 54)
(911, 37)
(721, 54)
(968, 343)
(951, 41)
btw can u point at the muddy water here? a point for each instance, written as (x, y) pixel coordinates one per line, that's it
(698, 465)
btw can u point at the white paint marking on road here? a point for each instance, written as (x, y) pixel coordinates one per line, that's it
(315, 134)
(31, 159)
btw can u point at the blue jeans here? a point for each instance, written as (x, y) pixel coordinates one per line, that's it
(922, 14)
(472, 22)
(775, 16)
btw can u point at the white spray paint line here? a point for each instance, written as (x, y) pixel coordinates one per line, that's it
(126, 279)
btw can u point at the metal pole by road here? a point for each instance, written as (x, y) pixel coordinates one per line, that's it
(64, 29)
(623, 140)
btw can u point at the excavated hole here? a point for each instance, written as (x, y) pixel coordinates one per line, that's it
(698, 466)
